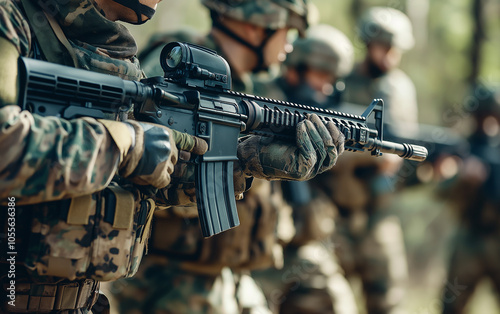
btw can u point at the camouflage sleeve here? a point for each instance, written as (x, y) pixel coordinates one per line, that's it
(14, 27)
(47, 158)
(400, 100)
(44, 158)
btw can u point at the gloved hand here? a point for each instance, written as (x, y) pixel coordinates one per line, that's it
(150, 151)
(316, 150)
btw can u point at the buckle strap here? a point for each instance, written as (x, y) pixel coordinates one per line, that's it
(45, 298)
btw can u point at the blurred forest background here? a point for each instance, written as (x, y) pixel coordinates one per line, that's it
(457, 42)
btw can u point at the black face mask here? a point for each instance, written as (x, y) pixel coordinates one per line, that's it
(139, 9)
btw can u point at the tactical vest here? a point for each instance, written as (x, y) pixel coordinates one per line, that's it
(65, 247)
(176, 235)
(99, 236)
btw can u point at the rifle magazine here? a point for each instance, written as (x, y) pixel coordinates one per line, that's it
(215, 196)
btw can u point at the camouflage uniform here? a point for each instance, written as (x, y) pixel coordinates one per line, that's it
(202, 265)
(310, 280)
(397, 91)
(66, 246)
(389, 27)
(369, 239)
(27, 177)
(475, 249)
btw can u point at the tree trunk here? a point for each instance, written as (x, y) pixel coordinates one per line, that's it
(477, 39)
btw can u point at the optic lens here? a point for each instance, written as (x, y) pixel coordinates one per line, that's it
(174, 57)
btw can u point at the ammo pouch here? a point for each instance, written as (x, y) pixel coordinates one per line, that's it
(75, 297)
(100, 236)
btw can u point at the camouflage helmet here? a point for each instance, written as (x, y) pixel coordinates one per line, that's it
(388, 26)
(272, 14)
(324, 48)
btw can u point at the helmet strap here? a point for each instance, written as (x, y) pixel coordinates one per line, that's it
(139, 10)
(373, 70)
(258, 50)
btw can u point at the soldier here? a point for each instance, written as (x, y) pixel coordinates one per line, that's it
(64, 246)
(313, 68)
(68, 246)
(311, 280)
(185, 273)
(369, 240)
(474, 194)
(387, 34)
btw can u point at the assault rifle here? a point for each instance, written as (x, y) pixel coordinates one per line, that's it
(195, 97)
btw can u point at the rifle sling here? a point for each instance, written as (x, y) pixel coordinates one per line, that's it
(47, 34)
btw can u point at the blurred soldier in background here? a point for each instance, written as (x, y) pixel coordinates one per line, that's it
(183, 272)
(250, 35)
(474, 192)
(57, 175)
(387, 33)
(313, 68)
(310, 281)
(369, 240)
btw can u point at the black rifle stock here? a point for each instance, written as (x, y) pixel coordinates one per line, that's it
(195, 97)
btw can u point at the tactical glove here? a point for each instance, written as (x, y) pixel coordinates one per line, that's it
(150, 151)
(316, 150)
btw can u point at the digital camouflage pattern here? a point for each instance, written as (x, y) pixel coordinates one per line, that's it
(102, 235)
(100, 45)
(14, 27)
(194, 263)
(95, 237)
(273, 14)
(316, 151)
(82, 147)
(100, 249)
(39, 154)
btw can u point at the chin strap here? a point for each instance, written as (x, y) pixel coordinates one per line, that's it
(258, 50)
(139, 9)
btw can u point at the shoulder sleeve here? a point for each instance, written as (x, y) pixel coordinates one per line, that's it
(14, 27)
(400, 97)
(47, 158)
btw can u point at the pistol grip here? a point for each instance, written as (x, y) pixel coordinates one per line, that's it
(215, 197)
